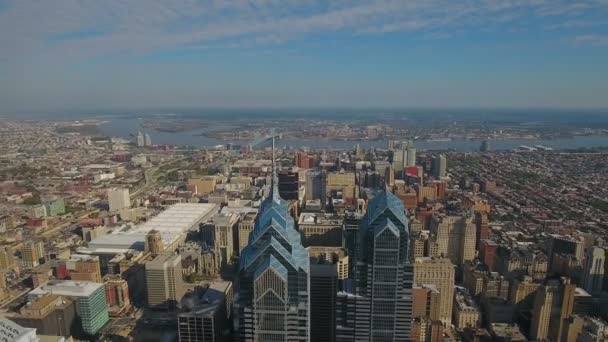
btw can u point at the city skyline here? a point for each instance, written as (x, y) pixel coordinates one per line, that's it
(99, 55)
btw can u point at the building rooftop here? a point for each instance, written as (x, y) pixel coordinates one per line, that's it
(213, 297)
(11, 331)
(172, 224)
(66, 288)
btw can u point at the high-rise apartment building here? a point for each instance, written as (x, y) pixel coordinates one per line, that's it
(383, 273)
(439, 272)
(118, 199)
(272, 300)
(594, 270)
(164, 281)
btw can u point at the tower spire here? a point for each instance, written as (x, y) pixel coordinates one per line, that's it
(275, 179)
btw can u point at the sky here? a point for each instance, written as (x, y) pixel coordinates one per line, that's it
(127, 54)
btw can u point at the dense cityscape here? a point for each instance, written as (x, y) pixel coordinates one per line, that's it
(121, 239)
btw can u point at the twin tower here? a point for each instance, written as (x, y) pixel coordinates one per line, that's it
(272, 297)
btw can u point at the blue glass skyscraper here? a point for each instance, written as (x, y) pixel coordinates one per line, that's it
(272, 300)
(379, 308)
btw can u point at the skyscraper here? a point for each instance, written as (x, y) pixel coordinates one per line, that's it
(411, 154)
(541, 314)
(323, 289)
(164, 281)
(439, 272)
(272, 300)
(594, 269)
(439, 166)
(383, 273)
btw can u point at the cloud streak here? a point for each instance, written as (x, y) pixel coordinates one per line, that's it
(89, 28)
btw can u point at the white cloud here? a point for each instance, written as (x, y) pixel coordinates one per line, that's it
(139, 26)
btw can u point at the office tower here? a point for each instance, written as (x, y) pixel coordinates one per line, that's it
(399, 160)
(383, 272)
(84, 268)
(315, 186)
(32, 253)
(319, 229)
(147, 140)
(482, 227)
(141, 142)
(118, 199)
(594, 270)
(164, 281)
(323, 290)
(411, 154)
(289, 184)
(439, 272)
(272, 300)
(541, 314)
(90, 300)
(566, 245)
(117, 294)
(49, 314)
(206, 318)
(563, 307)
(154, 243)
(439, 166)
(245, 228)
(223, 243)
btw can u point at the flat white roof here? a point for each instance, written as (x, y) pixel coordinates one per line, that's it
(67, 288)
(171, 223)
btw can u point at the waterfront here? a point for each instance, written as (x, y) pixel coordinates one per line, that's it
(127, 128)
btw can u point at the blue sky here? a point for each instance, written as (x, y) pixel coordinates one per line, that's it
(89, 54)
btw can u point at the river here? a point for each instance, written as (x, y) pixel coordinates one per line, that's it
(127, 128)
